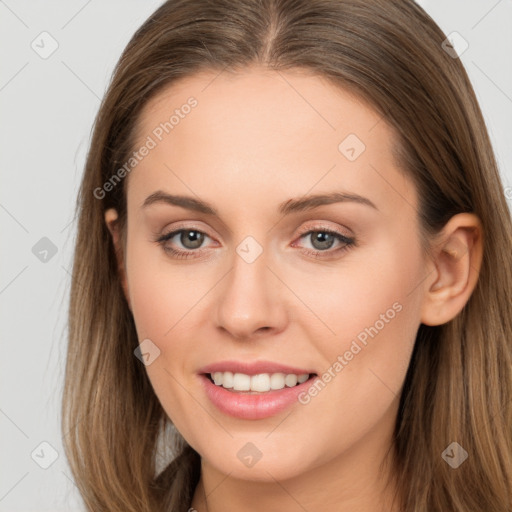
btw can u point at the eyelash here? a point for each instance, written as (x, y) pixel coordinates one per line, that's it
(180, 254)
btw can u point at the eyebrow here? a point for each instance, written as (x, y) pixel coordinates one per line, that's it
(286, 208)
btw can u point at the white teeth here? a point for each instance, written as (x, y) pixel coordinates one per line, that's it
(290, 380)
(241, 382)
(302, 378)
(277, 381)
(262, 382)
(227, 379)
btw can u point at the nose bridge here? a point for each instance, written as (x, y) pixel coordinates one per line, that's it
(249, 298)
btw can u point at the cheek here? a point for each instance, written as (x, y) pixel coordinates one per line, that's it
(363, 293)
(167, 303)
(375, 312)
(160, 314)
(161, 293)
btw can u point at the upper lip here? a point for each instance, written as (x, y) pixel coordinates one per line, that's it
(253, 368)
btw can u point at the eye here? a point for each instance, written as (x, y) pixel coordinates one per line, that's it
(191, 239)
(323, 239)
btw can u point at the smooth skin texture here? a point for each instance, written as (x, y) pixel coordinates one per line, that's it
(255, 140)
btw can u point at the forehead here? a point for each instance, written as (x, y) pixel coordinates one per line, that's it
(288, 130)
(259, 95)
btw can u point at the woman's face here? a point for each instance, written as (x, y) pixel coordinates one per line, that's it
(245, 292)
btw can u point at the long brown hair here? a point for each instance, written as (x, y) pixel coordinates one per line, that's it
(459, 384)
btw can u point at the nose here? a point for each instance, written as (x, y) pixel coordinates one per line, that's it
(250, 301)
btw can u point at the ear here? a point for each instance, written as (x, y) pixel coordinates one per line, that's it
(111, 219)
(457, 261)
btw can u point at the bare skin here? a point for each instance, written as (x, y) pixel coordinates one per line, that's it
(254, 141)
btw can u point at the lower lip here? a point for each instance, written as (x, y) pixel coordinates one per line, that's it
(253, 406)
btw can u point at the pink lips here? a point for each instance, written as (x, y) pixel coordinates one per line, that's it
(252, 406)
(252, 368)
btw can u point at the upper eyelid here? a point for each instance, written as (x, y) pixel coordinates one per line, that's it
(310, 227)
(173, 232)
(303, 233)
(323, 227)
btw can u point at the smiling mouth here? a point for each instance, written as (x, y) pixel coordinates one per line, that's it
(260, 383)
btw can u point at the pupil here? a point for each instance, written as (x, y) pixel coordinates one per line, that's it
(325, 240)
(193, 237)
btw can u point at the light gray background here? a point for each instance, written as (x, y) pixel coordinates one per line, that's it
(47, 111)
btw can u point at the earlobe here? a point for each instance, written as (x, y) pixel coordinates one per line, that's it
(458, 259)
(111, 220)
